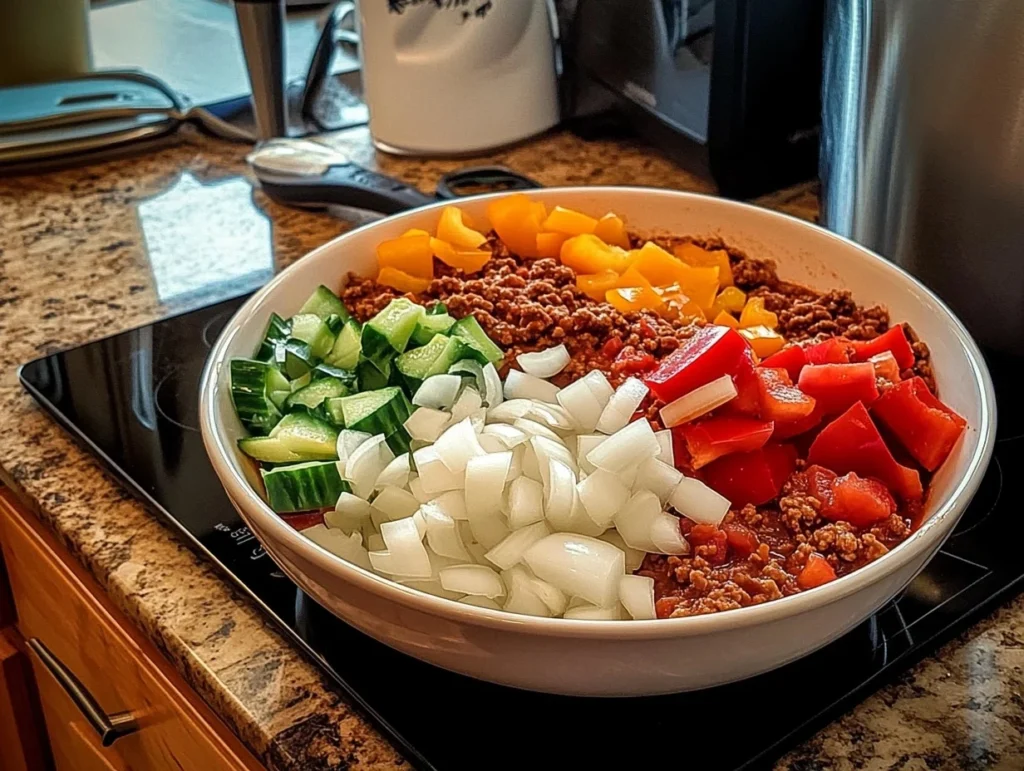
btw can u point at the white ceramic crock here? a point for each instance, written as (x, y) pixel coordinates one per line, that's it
(619, 657)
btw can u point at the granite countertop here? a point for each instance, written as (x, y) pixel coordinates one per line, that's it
(88, 252)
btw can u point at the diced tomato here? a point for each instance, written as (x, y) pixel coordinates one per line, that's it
(779, 400)
(816, 572)
(923, 424)
(835, 350)
(791, 359)
(647, 328)
(712, 352)
(713, 538)
(630, 361)
(663, 608)
(752, 477)
(305, 519)
(895, 341)
(742, 540)
(861, 502)
(851, 442)
(612, 347)
(710, 439)
(837, 386)
(797, 427)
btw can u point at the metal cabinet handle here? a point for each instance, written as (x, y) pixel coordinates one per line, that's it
(109, 727)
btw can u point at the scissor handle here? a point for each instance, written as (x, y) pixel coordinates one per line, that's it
(482, 179)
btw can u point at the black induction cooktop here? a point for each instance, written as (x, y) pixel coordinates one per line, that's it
(132, 399)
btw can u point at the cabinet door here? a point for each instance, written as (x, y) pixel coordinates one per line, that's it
(22, 746)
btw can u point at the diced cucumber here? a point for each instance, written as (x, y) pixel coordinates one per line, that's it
(334, 323)
(268, 449)
(252, 385)
(388, 333)
(301, 382)
(431, 325)
(346, 376)
(455, 350)
(399, 441)
(311, 329)
(294, 357)
(304, 486)
(437, 309)
(371, 377)
(347, 347)
(334, 411)
(483, 348)
(308, 436)
(376, 412)
(313, 395)
(413, 365)
(278, 330)
(323, 303)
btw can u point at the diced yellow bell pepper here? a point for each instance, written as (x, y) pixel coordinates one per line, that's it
(731, 299)
(414, 232)
(410, 254)
(633, 298)
(677, 305)
(763, 340)
(550, 244)
(452, 229)
(726, 319)
(595, 285)
(656, 265)
(700, 284)
(469, 260)
(517, 221)
(568, 221)
(402, 281)
(699, 257)
(612, 230)
(589, 254)
(755, 314)
(633, 277)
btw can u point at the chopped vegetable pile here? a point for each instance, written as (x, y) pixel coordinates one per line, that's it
(414, 446)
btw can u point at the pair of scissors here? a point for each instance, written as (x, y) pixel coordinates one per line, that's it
(312, 174)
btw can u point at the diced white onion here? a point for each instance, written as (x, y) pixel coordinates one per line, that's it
(525, 502)
(375, 542)
(416, 488)
(395, 503)
(426, 423)
(699, 401)
(456, 446)
(348, 441)
(620, 408)
(554, 416)
(434, 476)
(485, 482)
(506, 434)
(545, 450)
(488, 529)
(491, 443)
(627, 447)
(580, 521)
(660, 478)
(547, 363)
(467, 403)
(579, 401)
(559, 495)
(493, 389)
(349, 512)
(634, 557)
(407, 554)
(395, 474)
(365, 464)
(523, 600)
(602, 494)
(635, 519)
(533, 428)
(438, 391)
(519, 385)
(584, 444)
(695, 500)
(348, 547)
(578, 565)
(428, 585)
(452, 503)
(531, 466)
(443, 534)
(509, 410)
(594, 613)
(553, 597)
(474, 580)
(599, 386)
(510, 551)
(667, 454)
(666, 537)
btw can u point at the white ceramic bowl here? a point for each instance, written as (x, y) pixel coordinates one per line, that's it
(618, 657)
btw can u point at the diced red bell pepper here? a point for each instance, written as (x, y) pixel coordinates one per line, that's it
(885, 366)
(710, 439)
(835, 350)
(752, 477)
(797, 427)
(923, 424)
(861, 502)
(748, 398)
(792, 359)
(836, 386)
(304, 519)
(851, 442)
(631, 361)
(816, 572)
(894, 341)
(712, 352)
(778, 399)
(742, 540)
(712, 537)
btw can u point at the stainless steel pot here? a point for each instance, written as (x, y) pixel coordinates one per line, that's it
(922, 153)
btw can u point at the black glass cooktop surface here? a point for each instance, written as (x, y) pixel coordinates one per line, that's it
(132, 399)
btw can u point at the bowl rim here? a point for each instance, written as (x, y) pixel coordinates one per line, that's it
(919, 543)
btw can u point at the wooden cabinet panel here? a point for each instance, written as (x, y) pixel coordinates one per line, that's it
(22, 746)
(58, 604)
(6, 602)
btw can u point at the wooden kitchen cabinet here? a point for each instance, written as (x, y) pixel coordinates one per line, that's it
(23, 746)
(83, 651)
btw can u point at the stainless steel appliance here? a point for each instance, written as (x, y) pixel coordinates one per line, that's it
(726, 86)
(923, 147)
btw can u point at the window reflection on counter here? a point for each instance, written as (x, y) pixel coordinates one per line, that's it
(205, 242)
